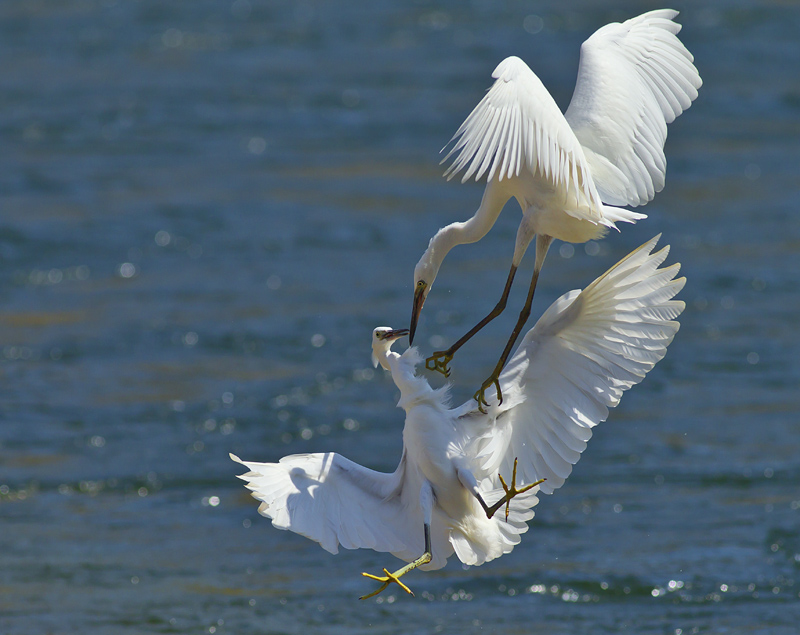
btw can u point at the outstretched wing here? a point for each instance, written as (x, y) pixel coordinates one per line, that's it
(518, 127)
(634, 78)
(584, 352)
(334, 501)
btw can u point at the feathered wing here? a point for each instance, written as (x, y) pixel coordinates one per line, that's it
(518, 126)
(334, 501)
(634, 78)
(476, 539)
(574, 364)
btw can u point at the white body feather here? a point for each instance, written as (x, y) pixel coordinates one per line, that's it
(570, 172)
(585, 350)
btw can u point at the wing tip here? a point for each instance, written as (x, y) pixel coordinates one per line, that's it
(648, 247)
(509, 68)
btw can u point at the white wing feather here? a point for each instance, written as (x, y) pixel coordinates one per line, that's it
(575, 363)
(634, 78)
(518, 127)
(334, 501)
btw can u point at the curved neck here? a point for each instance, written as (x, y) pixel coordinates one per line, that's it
(402, 370)
(404, 375)
(414, 390)
(470, 231)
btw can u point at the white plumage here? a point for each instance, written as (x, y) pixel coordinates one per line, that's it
(569, 172)
(571, 367)
(633, 79)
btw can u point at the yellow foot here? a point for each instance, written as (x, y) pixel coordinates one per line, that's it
(511, 492)
(439, 361)
(387, 579)
(480, 397)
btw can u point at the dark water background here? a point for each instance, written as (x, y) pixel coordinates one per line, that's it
(205, 207)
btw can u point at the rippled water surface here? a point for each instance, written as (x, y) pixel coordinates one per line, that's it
(205, 207)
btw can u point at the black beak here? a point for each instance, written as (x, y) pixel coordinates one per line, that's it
(394, 334)
(419, 300)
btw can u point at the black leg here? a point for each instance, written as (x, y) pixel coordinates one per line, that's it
(511, 492)
(439, 360)
(542, 245)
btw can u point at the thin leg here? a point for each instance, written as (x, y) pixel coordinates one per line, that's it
(468, 480)
(511, 492)
(426, 500)
(542, 245)
(439, 360)
(387, 579)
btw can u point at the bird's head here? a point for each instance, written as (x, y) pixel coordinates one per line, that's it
(382, 339)
(424, 275)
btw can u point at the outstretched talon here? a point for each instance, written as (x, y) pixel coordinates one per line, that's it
(439, 361)
(481, 398)
(511, 492)
(387, 579)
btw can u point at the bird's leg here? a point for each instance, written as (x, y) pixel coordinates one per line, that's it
(494, 378)
(426, 501)
(542, 245)
(468, 480)
(440, 359)
(387, 579)
(511, 492)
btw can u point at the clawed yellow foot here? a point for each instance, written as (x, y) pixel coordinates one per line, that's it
(387, 579)
(511, 492)
(481, 398)
(439, 361)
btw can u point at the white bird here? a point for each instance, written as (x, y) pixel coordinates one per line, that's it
(566, 171)
(571, 367)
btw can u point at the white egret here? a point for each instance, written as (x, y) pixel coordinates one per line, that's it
(584, 352)
(566, 171)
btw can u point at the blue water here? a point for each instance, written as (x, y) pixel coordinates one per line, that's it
(205, 208)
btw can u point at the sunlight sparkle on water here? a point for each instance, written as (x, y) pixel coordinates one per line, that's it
(127, 270)
(533, 24)
(257, 145)
(318, 340)
(97, 441)
(210, 501)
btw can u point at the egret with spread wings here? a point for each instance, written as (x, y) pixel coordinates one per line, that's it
(571, 367)
(569, 172)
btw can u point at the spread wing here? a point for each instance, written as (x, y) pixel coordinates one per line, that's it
(575, 363)
(334, 501)
(634, 78)
(518, 127)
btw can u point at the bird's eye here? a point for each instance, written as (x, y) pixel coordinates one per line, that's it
(420, 284)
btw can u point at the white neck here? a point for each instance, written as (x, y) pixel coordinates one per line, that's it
(414, 390)
(494, 197)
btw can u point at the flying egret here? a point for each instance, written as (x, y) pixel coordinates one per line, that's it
(571, 367)
(566, 171)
